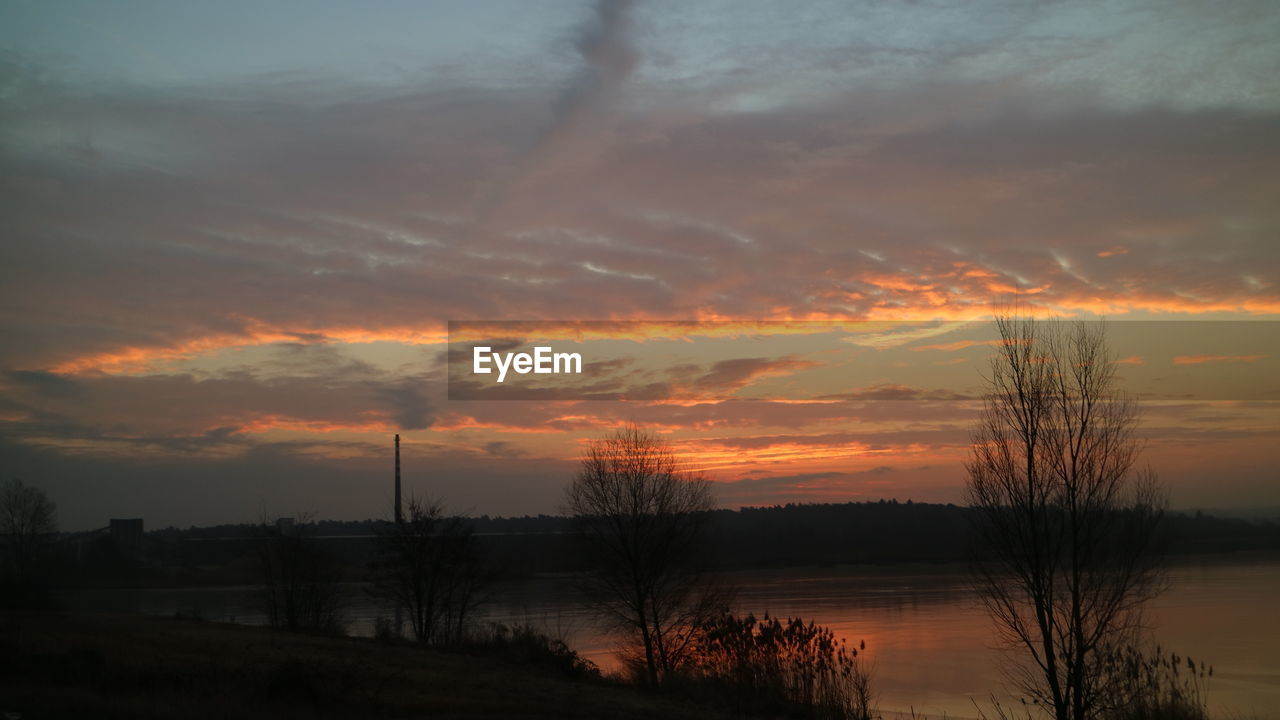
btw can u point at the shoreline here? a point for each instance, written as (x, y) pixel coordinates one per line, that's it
(77, 664)
(60, 664)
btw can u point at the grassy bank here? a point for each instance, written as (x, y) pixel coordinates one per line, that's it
(56, 665)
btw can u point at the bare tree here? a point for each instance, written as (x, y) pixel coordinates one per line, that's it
(1065, 520)
(433, 569)
(300, 577)
(641, 518)
(26, 530)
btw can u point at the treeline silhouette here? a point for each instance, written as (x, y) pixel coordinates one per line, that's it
(882, 532)
(823, 534)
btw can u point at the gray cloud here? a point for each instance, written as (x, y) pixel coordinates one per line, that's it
(608, 60)
(852, 168)
(305, 216)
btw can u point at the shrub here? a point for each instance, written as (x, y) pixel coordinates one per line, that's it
(1154, 685)
(777, 665)
(526, 644)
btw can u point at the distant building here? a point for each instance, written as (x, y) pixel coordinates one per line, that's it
(284, 525)
(126, 532)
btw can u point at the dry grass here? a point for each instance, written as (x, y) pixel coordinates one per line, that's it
(64, 666)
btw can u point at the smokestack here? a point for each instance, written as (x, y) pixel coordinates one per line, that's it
(399, 518)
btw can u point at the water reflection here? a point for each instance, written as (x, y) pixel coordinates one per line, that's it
(930, 642)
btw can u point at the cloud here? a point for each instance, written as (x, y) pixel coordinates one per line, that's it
(873, 483)
(958, 345)
(1201, 359)
(216, 261)
(412, 411)
(726, 376)
(579, 113)
(113, 413)
(891, 391)
(47, 384)
(625, 378)
(608, 60)
(185, 267)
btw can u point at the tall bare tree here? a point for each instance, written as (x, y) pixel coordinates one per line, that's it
(26, 530)
(1065, 519)
(641, 519)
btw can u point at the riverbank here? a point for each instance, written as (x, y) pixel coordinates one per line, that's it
(931, 645)
(77, 665)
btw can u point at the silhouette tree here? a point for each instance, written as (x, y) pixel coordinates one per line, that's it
(300, 577)
(26, 530)
(433, 569)
(1064, 521)
(640, 518)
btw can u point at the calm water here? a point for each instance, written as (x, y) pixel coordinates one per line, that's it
(930, 643)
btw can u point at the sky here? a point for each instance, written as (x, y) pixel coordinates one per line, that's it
(232, 236)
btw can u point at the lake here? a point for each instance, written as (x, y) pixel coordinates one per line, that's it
(929, 641)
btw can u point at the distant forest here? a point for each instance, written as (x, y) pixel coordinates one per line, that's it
(870, 533)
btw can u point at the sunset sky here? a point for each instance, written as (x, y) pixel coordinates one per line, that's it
(232, 238)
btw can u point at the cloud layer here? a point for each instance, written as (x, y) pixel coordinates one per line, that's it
(222, 263)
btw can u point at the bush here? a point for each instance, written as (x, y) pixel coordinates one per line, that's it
(527, 645)
(1155, 685)
(775, 665)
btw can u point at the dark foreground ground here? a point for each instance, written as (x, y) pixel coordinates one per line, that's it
(56, 665)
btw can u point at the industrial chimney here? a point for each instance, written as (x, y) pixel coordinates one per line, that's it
(399, 518)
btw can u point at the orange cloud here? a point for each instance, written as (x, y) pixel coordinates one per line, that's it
(1132, 360)
(914, 300)
(142, 358)
(1200, 359)
(1128, 303)
(139, 358)
(957, 345)
(640, 329)
(712, 457)
(466, 422)
(267, 423)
